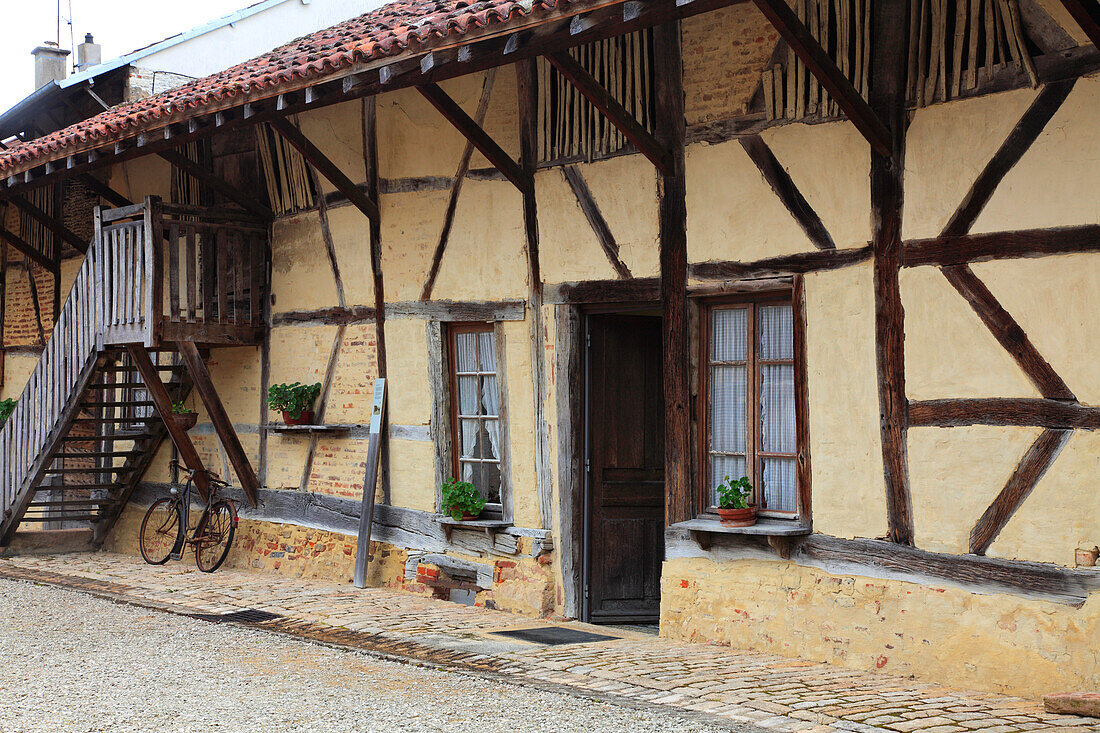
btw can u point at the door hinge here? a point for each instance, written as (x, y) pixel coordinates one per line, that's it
(588, 340)
(587, 466)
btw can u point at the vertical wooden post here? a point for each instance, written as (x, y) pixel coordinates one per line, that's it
(370, 162)
(672, 218)
(528, 98)
(889, 25)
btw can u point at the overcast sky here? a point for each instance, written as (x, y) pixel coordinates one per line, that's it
(120, 26)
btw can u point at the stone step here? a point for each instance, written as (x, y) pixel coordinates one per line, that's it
(49, 542)
(1073, 703)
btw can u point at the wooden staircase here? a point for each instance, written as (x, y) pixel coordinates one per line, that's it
(158, 283)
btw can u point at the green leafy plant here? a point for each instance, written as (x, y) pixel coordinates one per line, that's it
(459, 497)
(293, 399)
(178, 408)
(734, 494)
(7, 407)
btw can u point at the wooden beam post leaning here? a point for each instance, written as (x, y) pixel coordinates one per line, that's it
(867, 119)
(527, 93)
(610, 107)
(889, 26)
(51, 223)
(672, 226)
(326, 167)
(28, 249)
(370, 483)
(234, 194)
(1087, 15)
(223, 426)
(476, 135)
(158, 393)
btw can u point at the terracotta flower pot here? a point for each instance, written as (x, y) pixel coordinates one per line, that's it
(738, 517)
(466, 516)
(185, 420)
(305, 419)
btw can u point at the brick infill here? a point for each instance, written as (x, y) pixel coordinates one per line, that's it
(744, 690)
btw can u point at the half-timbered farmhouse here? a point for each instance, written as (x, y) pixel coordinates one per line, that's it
(605, 254)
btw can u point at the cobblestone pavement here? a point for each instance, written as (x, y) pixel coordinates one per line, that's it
(766, 691)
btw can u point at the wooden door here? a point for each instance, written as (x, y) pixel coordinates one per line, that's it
(626, 496)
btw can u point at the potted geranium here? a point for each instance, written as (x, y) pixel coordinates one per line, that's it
(7, 407)
(295, 401)
(733, 503)
(183, 417)
(461, 500)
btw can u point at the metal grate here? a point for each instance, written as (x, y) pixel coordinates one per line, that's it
(555, 636)
(245, 616)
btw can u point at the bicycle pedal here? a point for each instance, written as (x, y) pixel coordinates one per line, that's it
(176, 556)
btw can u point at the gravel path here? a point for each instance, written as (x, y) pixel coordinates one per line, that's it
(71, 662)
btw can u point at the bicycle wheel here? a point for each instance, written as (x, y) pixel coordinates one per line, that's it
(161, 531)
(215, 536)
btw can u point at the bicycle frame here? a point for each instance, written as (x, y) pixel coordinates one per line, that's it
(185, 501)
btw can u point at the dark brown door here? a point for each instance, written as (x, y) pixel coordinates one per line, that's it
(626, 487)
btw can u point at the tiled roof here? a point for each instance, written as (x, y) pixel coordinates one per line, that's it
(387, 31)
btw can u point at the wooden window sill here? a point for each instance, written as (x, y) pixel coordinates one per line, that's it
(294, 429)
(490, 526)
(778, 531)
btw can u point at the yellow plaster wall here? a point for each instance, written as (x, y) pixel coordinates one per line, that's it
(945, 635)
(521, 422)
(17, 370)
(845, 449)
(338, 132)
(301, 276)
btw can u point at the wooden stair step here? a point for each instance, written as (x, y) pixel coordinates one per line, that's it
(63, 518)
(119, 403)
(100, 454)
(117, 385)
(93, 469)
(78, 487)
(73, 503)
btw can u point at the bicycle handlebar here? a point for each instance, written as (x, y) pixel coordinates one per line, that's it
(210, 475)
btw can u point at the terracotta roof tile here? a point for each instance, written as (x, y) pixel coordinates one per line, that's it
(387, 31)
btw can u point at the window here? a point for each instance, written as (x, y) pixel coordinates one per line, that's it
(750, 419)
(476, 410)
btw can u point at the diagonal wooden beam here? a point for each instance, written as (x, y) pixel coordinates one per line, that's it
(28, 249)
(613, 110)
(817, 60)
(326, 167)
(476, 135)
(226, 190)
(595, 219)
(50, 223)
(104, 191)
(1039, 457)
(158, 393)
(223, 426)
(1019, 141)
(1087, 15)
(456, 187)
(783, 185)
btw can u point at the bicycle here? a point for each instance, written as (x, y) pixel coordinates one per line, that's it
(165, 526)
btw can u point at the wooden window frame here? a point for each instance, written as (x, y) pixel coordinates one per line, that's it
(794, 297)
(453, 461)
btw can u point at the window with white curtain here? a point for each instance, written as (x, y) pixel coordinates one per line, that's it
(750, 388)
(476, 406)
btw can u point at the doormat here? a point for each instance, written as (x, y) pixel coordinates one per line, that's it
(244, 616)
(554, 636)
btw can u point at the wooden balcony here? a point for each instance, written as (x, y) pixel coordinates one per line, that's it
(178, 273)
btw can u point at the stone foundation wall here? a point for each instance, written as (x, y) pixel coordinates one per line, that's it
(999, 642)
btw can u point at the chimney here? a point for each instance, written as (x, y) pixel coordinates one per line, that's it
(49, 64)
(88, 54)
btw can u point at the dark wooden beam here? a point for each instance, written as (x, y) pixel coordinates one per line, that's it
(326, 167)
(1087, 15)
(476, 135)
(798, 37)
(595, 219)
(780, 181)
(672, 242)
(887, 93)
(224, 189)
(50, 223)
(456, 188)
(614, 111)
(158, 393)
(635, 290)
(527, 102)
(1011, 411)
(801, 263)
(966, 248)
(1008, 332)
(223, 426)
(370, 164)
(28, 249)
(1031, 468)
